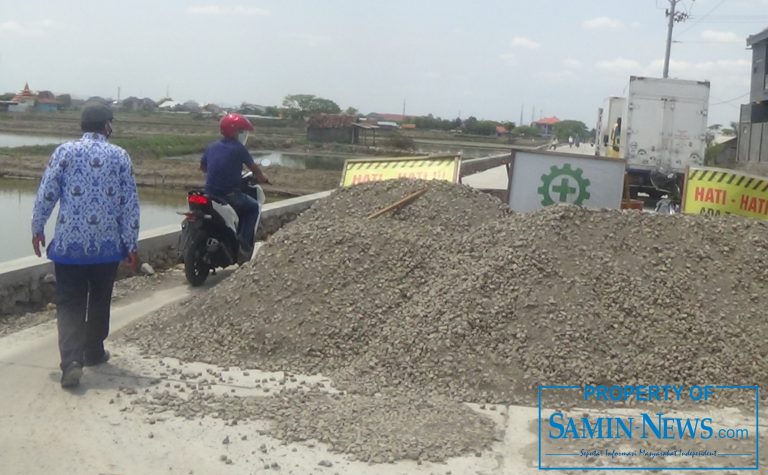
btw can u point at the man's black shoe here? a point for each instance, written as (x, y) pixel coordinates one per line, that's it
(97, 361)
(71, 375)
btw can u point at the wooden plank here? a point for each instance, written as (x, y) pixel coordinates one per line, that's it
(399, 204)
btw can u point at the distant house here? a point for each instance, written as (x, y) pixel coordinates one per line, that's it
(191, 106)
(501, 130)
(168, 105)
(252, 109)
(99, 100)
(725, 153)
(546, 125)
(338, 128)
(396, 118)
(212, 109)
(388, 125)
(753, 120)
(137, 104)
(26, 100)
(47, 102)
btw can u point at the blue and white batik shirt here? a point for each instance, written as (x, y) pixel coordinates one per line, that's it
(98, 219)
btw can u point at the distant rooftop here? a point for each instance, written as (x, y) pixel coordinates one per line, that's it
(330, 121)
(548, 121)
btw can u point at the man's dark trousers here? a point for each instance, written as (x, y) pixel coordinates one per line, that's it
(247, 209)
(83, 298)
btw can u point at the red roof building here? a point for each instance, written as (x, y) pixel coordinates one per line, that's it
(25, 95)
(26, 99)
(546, 125)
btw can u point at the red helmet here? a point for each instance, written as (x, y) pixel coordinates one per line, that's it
(232, 123)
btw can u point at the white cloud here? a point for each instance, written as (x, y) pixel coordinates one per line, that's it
(11, 26)
(523, 42)
(509, 58)
(30, 29)
(720, 36)
(738, 67)
(309, 39)
(572, 63)
(602, 23)
(618, 65)
(227, 10)
(432, 75)
(560, 77)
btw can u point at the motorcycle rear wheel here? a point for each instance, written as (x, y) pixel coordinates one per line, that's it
(195, 270)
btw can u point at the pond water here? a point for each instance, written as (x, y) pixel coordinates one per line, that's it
(20, 140)
(17, 197)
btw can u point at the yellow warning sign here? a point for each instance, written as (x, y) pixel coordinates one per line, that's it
(380, 169)
(717, 191)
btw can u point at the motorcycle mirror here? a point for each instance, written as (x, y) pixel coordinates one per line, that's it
(265, 162)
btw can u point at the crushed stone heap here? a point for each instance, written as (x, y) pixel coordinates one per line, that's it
(456, 296)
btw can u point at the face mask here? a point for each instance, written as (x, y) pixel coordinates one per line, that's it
(242, 137)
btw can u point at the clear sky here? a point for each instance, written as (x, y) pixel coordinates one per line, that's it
(486, 58)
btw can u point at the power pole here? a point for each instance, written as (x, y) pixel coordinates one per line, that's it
(674, 17)
(521, 115)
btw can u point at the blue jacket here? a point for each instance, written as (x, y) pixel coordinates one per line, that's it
(222, 163)
(98, 219)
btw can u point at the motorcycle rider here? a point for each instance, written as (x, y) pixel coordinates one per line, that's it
(222, 162)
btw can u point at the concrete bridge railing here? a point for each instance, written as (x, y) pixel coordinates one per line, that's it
(28, 282)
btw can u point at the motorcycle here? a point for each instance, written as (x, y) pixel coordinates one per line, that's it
(668, 186)
(209, 231)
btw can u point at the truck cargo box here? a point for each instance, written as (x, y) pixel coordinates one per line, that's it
(665, 124)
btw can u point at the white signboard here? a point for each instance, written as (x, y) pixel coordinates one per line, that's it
(540, 179)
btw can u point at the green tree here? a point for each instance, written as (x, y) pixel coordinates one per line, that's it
(299, 106)
(525, 131)
(570, 128)
(431, 122)
(482, 127)
(351, 111)
(271, 111)
(469, 124)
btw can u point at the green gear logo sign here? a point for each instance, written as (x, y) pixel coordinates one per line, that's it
(565, 184)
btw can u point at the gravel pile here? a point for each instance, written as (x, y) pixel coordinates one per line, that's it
(455, 296)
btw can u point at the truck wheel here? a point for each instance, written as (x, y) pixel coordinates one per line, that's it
(195, 270)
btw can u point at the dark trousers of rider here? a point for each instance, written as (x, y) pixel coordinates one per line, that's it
(83, 298)
(247, 209)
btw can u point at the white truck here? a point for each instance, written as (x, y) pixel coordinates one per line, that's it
(660, 130)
